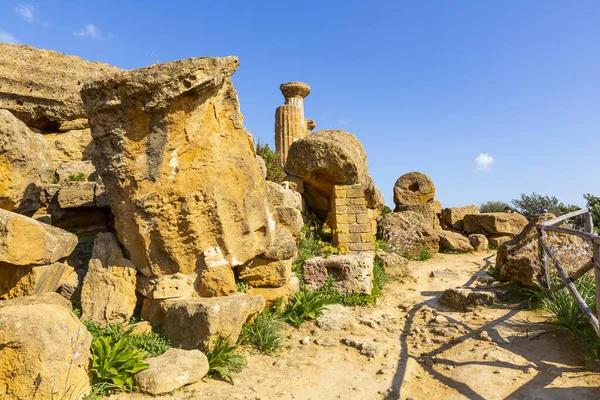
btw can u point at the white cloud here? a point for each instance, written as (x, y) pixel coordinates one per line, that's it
(26, 11)
(90, 31)
(343, 122)
(484, 162)
(7, 37)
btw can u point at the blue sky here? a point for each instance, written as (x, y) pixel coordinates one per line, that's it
(426, 86)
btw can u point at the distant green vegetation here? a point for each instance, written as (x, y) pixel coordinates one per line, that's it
(493, 206)
(275, 172)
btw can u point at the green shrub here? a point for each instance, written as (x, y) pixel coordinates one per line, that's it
(566, 315)
(223, 359)
(304, 304)
(386, 210)
(531, 205)
(424, 254)
(113, 332)
(593, 205)
(264, 332)
(493, 206)
(151, 343)
(116, 364)
(381, 244)
(241, 286)
(275, 171)
(78, 177)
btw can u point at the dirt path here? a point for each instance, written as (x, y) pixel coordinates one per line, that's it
(484, 354)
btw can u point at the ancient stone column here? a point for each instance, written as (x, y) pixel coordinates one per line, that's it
(290, 124)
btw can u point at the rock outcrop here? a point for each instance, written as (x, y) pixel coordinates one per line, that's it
(479, 242)
(408, 232)
(452, 241)
(172, 370)
(42, 87)
(413, 188)
(453, 217)
(353, 273)
(108, 292)
(196, 323)
(178, 165)
(494, 224)
(327, 158)
(519, 260)
(44, 349)
(25, 163)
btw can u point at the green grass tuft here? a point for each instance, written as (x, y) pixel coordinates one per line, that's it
(223, 359)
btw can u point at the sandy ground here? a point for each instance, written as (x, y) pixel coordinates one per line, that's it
(483, 354)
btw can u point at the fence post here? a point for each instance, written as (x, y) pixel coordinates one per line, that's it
(544, 259)
(588, 223)
(596, 260)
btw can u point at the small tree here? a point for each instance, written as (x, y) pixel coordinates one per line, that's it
(493, 206)
(532, 205)
(275, 172)
(593, 205)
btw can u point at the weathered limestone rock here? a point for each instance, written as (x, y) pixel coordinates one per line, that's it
(25, 163)
(424, 210)
(283, 247)
(335, 317)
(290, 218)
(413, 188)
(328, 158)
(453, 217)
(70, 287)
(108, 292)
(140, 328)
(271, 295)
(518, 260)
(28, 281)
(464, 299)
(453, 241)
(353, 272)
(70, 171)
(262, 165)
(74, 125)
(172, 370)
(260, 272)
(76, 145)
(290, 124)
(436, 205)
(395, 266)
(479, 242)
(216, 276)
(77, 194)
(42, 87)
(280, 196)
(498, 241)
(196, 323)
(179, 166)
(166, 287)
(495, 224)
(25, 241)
(408, 232)
(44, 349)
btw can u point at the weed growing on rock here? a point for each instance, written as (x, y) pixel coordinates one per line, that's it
(223, 359)
(78, 177)
(314, 241)
(152, 343)
(381, 244)
(424, 254)
(241, 286)
(493, 272)
(380, 279)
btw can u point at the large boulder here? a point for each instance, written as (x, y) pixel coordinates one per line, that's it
(413, 188)
(179, 166)
(453, 217)
(479, 242)
(25, 163)
(172, 370)
(408, 232)
(452, 241)
(519, 260)
(197, 322)
(108, 291)
(494, 224)
(424, 210)
(327, 158)
(44, 349)
(25, 241)
(31, 280)
(42, 87)
(73, 145)
(353, 273)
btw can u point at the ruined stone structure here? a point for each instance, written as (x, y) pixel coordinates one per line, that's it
(290, 124)
(349, 219)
